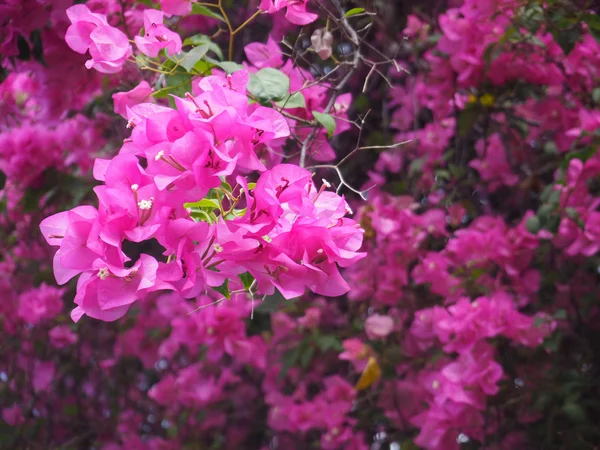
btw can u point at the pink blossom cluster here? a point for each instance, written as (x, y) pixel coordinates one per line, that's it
(187, 153)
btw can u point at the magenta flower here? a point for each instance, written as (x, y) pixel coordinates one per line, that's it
(264, 55)
(176, 7)
(124, 100)
(108, 46)
(378, 326)
(157, 36)
(296, 11)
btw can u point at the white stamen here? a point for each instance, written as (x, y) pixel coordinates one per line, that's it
(145, 204)
(135, 187)
(326, 183)
(103, 273)
(217, 248)
(435, 384)
(159, 155)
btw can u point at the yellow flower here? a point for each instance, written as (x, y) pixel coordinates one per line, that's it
(487, 100)
(370, 375)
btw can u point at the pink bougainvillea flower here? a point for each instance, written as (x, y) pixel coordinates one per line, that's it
(378, 326)
(176, 7)
(157, 36)
(107, 293)
(108, 46)
(124, 100)
(296, 11)
(264, 55)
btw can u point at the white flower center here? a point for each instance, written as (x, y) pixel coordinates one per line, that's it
(103, 273)
(145, 204)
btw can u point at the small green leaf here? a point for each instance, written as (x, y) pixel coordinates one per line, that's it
(296, 100)
(188, 60)
(560, 314)
(533, 224)
(37, 50)
(572, 213)
(172, 431)
(271, 303)
(593, 21)
(205, 203)
(199, 215)
(2, 180)
(225, 185)
(208, 12)
(467, 119)
(23, 47)
(289, 359)
(229, 66)
(177, 84)
(269, 84)
(536, 41)
(354, 12)
(328, 342)
(202, 39)
(224, 290)
(551, 148)
(327, 121)
(306, 357)
(574, 412)
(416, 165)
(246, 280)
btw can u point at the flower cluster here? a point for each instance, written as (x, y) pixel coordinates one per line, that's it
(290, 235)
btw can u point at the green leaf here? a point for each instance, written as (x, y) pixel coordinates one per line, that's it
(208, 12)
(560, 314)
(177, 84)
(199, 215)
(202, 39)
(533, 224)
(327, 121)
(205, 203)
(491, 52)
(416, 165)
(224, 290)
(596, 95)
(536, 41)
(37, 50)
(70, 410)
(289, 359)
(328, 342)
(172, 431)
(295, 100)
(269, 84)
(271, 303)
(228, 66)
(246, 280)
(551, 148)
(306, 357)
(188, 60)
(466, 120)
(23, 48)
(574, 412)
(593, 21)
(354, 12)
(225, 185)
(572, 213)
(2, 180)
